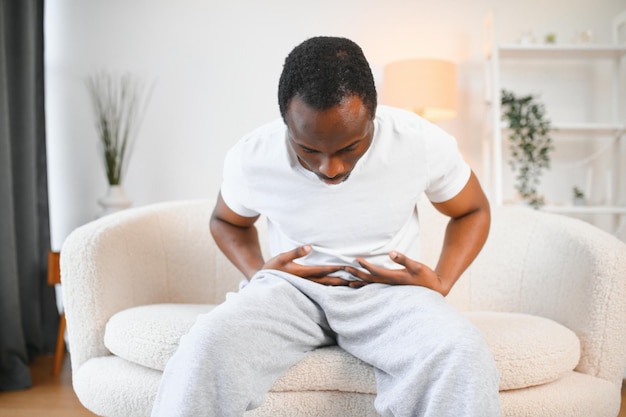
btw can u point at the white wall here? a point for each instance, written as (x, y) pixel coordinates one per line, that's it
(216, 66)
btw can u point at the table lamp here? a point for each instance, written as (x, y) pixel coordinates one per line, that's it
(424, 86)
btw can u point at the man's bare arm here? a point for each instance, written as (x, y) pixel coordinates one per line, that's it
(237, 238)
(467, 231)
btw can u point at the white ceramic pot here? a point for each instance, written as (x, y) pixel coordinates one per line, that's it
(114, 200)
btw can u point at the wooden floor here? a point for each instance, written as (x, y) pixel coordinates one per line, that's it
(49, 397)
(54, 397)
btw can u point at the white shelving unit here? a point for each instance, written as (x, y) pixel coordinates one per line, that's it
(611, 132)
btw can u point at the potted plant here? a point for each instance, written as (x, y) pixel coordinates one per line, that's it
(119, 103)
(530, 143)
(578, 197)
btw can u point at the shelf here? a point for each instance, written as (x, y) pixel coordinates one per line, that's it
(589, 137)
(512, 51)
(614, 129)
(571, 209)
(589, 128)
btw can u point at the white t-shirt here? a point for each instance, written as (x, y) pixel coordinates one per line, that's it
(370, 214)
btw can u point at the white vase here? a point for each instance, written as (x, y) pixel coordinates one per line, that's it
(114, 200)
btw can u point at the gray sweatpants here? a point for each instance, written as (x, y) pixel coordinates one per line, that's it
(428, 359)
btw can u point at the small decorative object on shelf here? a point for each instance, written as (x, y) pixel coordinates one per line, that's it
(584, 37)
(526, 38)
(550, 38)
(119, 104)
(530, 143)
(578, 198)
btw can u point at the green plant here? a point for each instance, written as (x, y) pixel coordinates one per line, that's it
(530, 143)
(119, 103)
(578, 193)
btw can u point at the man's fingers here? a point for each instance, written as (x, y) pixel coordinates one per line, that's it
(372, 269)
(310, 271)
(414, 267)
(369, 277)
(299, 252)
(358, 273)
(357, 284)
(397, 257)
(339, 282)
(332, 281)
(283, 260)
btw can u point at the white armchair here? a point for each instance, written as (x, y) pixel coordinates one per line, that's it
(548, 292)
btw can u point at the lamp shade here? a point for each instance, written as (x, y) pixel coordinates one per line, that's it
(425, 86)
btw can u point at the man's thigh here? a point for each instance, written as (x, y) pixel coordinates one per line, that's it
(268, 307)
(385, 322)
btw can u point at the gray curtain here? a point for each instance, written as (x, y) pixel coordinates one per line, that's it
(28, 316)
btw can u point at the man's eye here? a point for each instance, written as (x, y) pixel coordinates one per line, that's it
(307, 150)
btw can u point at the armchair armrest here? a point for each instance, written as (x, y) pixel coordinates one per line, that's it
(560, 268)
(162, 253)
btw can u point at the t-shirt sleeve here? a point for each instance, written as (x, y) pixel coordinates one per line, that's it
(448, 171)
(234, 190)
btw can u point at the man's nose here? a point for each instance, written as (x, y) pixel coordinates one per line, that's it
(331, 167)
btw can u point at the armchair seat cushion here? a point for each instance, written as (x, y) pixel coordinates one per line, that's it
(528, 350)
(148, 335)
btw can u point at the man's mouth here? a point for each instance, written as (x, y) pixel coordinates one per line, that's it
(335, 180)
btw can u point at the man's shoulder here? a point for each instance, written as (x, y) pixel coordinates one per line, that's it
(388, 114)
(399, 122)
(265, 143)
(405, 124)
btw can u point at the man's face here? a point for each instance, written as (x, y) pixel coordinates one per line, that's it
(330, 142)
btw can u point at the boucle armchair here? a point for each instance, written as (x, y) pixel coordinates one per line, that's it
(547, 291)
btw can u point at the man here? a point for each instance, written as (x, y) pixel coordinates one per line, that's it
(338, 179)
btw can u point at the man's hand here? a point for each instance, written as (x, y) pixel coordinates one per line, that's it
(285, 262)
(413, 273)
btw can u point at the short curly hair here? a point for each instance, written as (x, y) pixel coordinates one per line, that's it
(323, 71)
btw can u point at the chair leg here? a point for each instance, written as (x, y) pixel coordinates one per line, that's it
(60, 349)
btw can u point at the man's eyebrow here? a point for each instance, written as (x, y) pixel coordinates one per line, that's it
(306, 148)
(351, 145)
